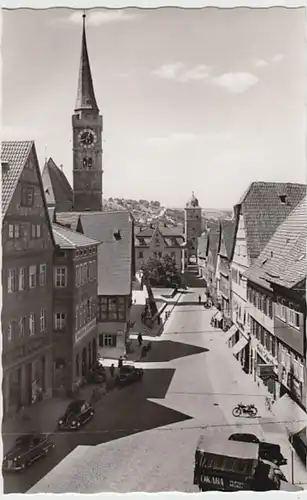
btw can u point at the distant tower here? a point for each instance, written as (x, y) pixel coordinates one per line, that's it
(192, 225)
(87, 140)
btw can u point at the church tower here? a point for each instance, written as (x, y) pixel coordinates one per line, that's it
(192, 225)
(87, 140)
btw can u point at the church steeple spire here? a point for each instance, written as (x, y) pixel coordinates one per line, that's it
(85, 94)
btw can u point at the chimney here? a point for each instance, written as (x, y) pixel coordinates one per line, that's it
(61, 167)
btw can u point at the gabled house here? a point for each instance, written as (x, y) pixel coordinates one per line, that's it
(116, 271)
(27, 279)
(157, 240)
(223, 278)
(262, 208)
(276, 291)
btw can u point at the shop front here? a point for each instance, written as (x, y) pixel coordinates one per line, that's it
(265, 367)
(84, 352)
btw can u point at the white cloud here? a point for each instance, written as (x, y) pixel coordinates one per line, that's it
(236, 83)
(260, 63)
(98, 17)
(178, 72)
(278, 58)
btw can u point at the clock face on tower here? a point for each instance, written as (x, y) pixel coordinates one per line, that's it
(87, 138)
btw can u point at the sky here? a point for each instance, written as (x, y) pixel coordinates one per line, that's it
(202, 100)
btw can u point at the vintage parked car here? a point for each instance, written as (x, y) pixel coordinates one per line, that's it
(27, 449)
(78, 413)
(129, 374)
(267, 451)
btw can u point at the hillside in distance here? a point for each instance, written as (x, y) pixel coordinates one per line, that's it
(146, 212)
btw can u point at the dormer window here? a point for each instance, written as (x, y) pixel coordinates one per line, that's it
(5, 167)
(283, 198)
(117, 235)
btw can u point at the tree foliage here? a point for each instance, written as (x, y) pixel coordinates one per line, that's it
(161, 272)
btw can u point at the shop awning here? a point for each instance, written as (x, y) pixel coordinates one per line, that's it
(290, 414)
(239, 346)
(231, 331)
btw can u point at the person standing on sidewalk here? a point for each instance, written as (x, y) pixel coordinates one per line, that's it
(112, 369)
(199, 299)
(140, 339)
(120, 362)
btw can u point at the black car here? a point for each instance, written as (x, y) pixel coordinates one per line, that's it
(267, 451)
(129, 374)
(27, 449)
(245, 438)
(77, 414)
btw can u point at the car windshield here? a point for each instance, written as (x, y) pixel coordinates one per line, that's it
(23, 440)
(74, 407)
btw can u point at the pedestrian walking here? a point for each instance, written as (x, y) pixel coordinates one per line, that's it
(112, 369)
(120, 362)
(199, 299)
(140, 339)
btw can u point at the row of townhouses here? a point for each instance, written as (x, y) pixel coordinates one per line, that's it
(255, 270)
(67, 266)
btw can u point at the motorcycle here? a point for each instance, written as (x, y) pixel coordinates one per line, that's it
(242, 409)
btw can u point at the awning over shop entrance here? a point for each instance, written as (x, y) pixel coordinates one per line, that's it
(239, 346)
(231, 332)
(290, 414)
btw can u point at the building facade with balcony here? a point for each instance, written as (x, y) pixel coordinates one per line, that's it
(262, 208)
(157, 241)
(27, 286)
(277, 308)
(74, 308)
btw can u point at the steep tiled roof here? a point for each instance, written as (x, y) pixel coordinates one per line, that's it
(68, 239)
(69, 219)
(148, 231)
(228, 227)
(15, 154)
(283, 260)
(265, 206)
(114, 255)
(56, 186)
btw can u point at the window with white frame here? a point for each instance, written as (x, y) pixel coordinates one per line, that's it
(42, 274)
(21, 278)
(14, 231)
(59, 320)
(283, 312)
(10, 332)
(293, 318)
(60, 277)
(109, 340)
(32, 324)
(11, 281)
(32, 276)
(36, 231)
(77, 318)
(43, 320)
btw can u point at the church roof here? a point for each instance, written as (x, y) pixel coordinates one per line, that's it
(85, 93)
(14, 155)
(56, 186)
